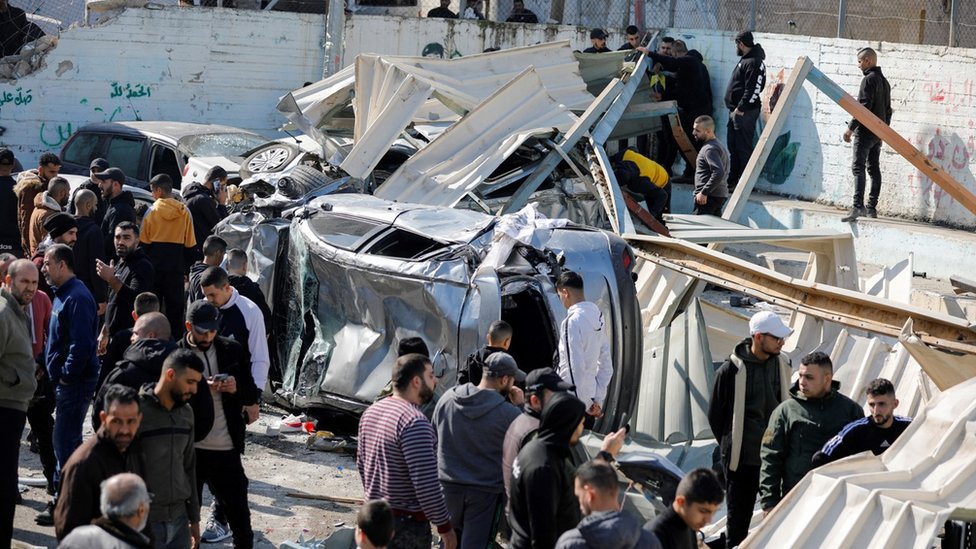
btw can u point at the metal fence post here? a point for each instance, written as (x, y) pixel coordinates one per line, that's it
(953, 14)
(752, 15)
(841, 18)
(335, 20)
(671, 14)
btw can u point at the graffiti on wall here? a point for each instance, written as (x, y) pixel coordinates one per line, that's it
(120, 97)
(950, 152)
(782, 156)
(951, 94)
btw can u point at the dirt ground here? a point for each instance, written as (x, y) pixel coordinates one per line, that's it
(276, 464)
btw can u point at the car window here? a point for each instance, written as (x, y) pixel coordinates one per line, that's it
(81, 150)
(404, 245)
(163, 160)
(125, 153)
(342, 231)
(220, 144)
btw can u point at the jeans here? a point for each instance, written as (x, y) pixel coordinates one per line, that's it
(741, 132)
(410, 533)
(473, 514)
(224, 472)
(171, 534)
(71, 407)
(11, 429)
(867, 150)
(742, 487)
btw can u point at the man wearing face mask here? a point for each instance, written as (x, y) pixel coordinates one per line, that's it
(543, 503)
(471, 422)
(125, 509)
(397, 459)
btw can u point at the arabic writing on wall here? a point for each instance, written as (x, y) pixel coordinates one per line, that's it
(55, 134)
(18, 97)
(948, 151)
(952, 94)
(130, 90)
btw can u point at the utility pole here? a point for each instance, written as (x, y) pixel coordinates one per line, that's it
(841, 18)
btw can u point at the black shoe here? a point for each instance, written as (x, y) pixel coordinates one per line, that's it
(872, 213)
(46, 517)
(855, 213)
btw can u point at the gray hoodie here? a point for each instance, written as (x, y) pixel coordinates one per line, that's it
(608, 530)
(471, 425)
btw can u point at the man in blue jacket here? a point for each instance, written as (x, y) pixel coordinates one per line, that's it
(72, 365)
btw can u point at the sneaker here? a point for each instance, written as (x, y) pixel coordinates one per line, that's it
(872, 213)
(855, 213)
(46, 517)
(215, 531)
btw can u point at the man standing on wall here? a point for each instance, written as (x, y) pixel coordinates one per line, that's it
(875, 94)
(743, 99)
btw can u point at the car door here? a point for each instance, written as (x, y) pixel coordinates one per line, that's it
(165, 160)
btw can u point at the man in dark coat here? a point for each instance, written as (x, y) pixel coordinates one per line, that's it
(744, 101)
(91, 184)
(133, 275)
(90, 247)
(121, 206)
(205, 202)
(543, 504)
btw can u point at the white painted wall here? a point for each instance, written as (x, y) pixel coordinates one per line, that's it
(193, 65)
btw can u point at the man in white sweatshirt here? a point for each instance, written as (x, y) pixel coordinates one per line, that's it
(584, 350)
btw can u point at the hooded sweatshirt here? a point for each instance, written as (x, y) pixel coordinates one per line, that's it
(584, 352)
(89, 247)
(44, 207)
(609, 530)
(167, 234)
(206, 212)
(543, 504)
(798, 428)
(471, 423)
(747, 82)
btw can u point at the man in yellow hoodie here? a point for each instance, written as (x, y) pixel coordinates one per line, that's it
(167, 235)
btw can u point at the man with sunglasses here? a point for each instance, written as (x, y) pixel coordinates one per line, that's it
(751, 383)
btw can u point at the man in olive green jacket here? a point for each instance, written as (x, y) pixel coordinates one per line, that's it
(166, 434)
(17, 382)
(800, 426)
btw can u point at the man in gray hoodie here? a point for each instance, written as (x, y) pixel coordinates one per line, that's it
(471, 422)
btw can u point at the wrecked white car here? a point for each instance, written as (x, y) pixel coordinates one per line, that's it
(350, 275)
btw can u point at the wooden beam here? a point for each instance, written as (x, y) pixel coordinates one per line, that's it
(681, 138)
(901, 145)
(781, 113)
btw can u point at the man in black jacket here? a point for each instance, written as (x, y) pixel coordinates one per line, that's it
(748, 387)
(91, 184)
(206, 203)
(499, 338)
(121, 206)
(875, 94)
(237, 276)
(744, 101)
(227, 373)
(214, 250)
(133, 275)
(698, 496)
(90, 247)
(543, 504)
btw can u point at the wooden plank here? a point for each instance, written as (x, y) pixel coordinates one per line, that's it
(781, 113)
(645, 216)
(682, 139)
(901, 145)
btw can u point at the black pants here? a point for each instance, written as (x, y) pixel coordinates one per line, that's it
(410, 533)
(11, 429)
(742, 489)
(40, 415)
(867, 150)
(712, 207)
(172, 299)
(225, 474)
(741, 132)
(667, 147)
(655, 198)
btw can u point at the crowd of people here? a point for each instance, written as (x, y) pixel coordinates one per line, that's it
(97, 314)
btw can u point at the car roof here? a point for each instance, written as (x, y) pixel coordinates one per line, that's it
(172, 130)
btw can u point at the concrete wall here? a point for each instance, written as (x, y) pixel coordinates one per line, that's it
(194, 65)
(933, 96)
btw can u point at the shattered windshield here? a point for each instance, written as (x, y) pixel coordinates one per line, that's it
(220, 144)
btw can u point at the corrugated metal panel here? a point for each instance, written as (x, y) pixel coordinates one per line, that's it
(898, 499)
(676, 381)
(470, 150)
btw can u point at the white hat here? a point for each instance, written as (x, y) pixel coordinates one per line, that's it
(768, 322)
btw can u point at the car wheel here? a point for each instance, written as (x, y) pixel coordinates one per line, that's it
(301, 181)
(273, 157)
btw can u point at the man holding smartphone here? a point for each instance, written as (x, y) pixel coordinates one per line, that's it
(218, 454)
(206, 204)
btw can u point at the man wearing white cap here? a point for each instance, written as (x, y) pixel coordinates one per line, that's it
(748, 387)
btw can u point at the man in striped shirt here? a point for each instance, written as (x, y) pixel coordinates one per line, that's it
(397, 457)
(877, 432)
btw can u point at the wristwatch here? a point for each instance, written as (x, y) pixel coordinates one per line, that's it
(605, 456)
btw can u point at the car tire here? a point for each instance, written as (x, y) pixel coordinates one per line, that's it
(301, 181)
(270, 158)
